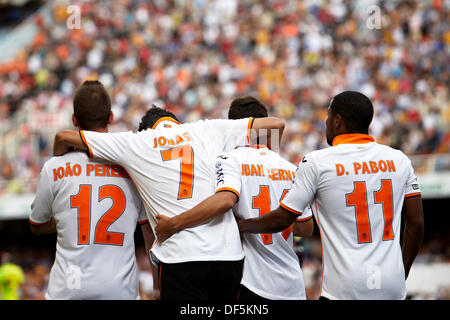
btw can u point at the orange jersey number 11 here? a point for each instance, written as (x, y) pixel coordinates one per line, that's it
(358, 199)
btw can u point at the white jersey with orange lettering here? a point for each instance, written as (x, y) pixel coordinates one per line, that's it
(172, 166)
(356, 190)
(96, 208)
(260, 178)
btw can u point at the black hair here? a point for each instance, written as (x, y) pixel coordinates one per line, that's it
(247, 107)
(355, 109)
(152, 116)
(92, 105)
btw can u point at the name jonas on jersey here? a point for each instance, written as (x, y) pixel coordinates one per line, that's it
(163, 141)
(273, 173)
(98, 170)
(366, 167)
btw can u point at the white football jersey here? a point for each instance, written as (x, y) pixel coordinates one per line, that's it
(96, 208)
(260, 178)
(356, 190)
(173, 169)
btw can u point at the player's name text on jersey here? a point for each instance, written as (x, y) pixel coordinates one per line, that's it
(366, 167)
(258, 170)
(163, 141)
(98, 170)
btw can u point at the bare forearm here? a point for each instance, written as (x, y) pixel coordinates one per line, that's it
(412, 241)
(209, 208)
(273, 222)
(268, 127)
(49, 227)
(412, 213)
(66, 141)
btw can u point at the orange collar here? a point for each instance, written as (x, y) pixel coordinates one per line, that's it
(164, 119)
(353, 138)
(254, 146)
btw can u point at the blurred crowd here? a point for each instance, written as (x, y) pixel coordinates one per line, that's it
(194, 56)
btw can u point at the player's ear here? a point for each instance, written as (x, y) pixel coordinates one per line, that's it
(74, 120)
(339, 124)
(111, 118)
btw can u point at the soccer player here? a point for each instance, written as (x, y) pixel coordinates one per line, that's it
(251, 180)
(358, 191)
(11, 278)
(172, 167)
(94, 208)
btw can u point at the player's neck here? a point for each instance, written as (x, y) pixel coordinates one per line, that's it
(102, 130)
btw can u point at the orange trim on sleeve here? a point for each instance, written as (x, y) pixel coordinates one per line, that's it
(164, 119)
(412, 195)
(305, 219)
(290, 210)
(249, 128)
(37, 223)
(143, 221)
(229, 189)
(91, 154)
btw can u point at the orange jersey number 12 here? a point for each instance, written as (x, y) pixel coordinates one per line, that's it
(82, 202)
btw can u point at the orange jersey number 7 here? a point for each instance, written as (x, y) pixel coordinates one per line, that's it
(186, 156)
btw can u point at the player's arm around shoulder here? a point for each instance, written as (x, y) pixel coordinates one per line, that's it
(66, 140)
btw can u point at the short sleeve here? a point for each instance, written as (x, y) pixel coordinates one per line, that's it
(227, 175)
(113, 147)
(41, 207)
(230, 133)
(307, 214)
(411, 187)
(142, 215)
(303, 188)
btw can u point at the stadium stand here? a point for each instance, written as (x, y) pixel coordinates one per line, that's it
(194, 56)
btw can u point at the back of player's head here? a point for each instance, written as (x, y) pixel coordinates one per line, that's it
(355, 109)
(152, 116)
(92, 105)
(247, 107)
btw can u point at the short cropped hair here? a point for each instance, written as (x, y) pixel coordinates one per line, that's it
(247, 107)
(152, 116)
(92, 105)
(355, 109)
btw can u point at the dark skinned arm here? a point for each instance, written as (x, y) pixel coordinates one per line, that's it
(273, 222)
(303, 228)
(412, 213)
(49, 227)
